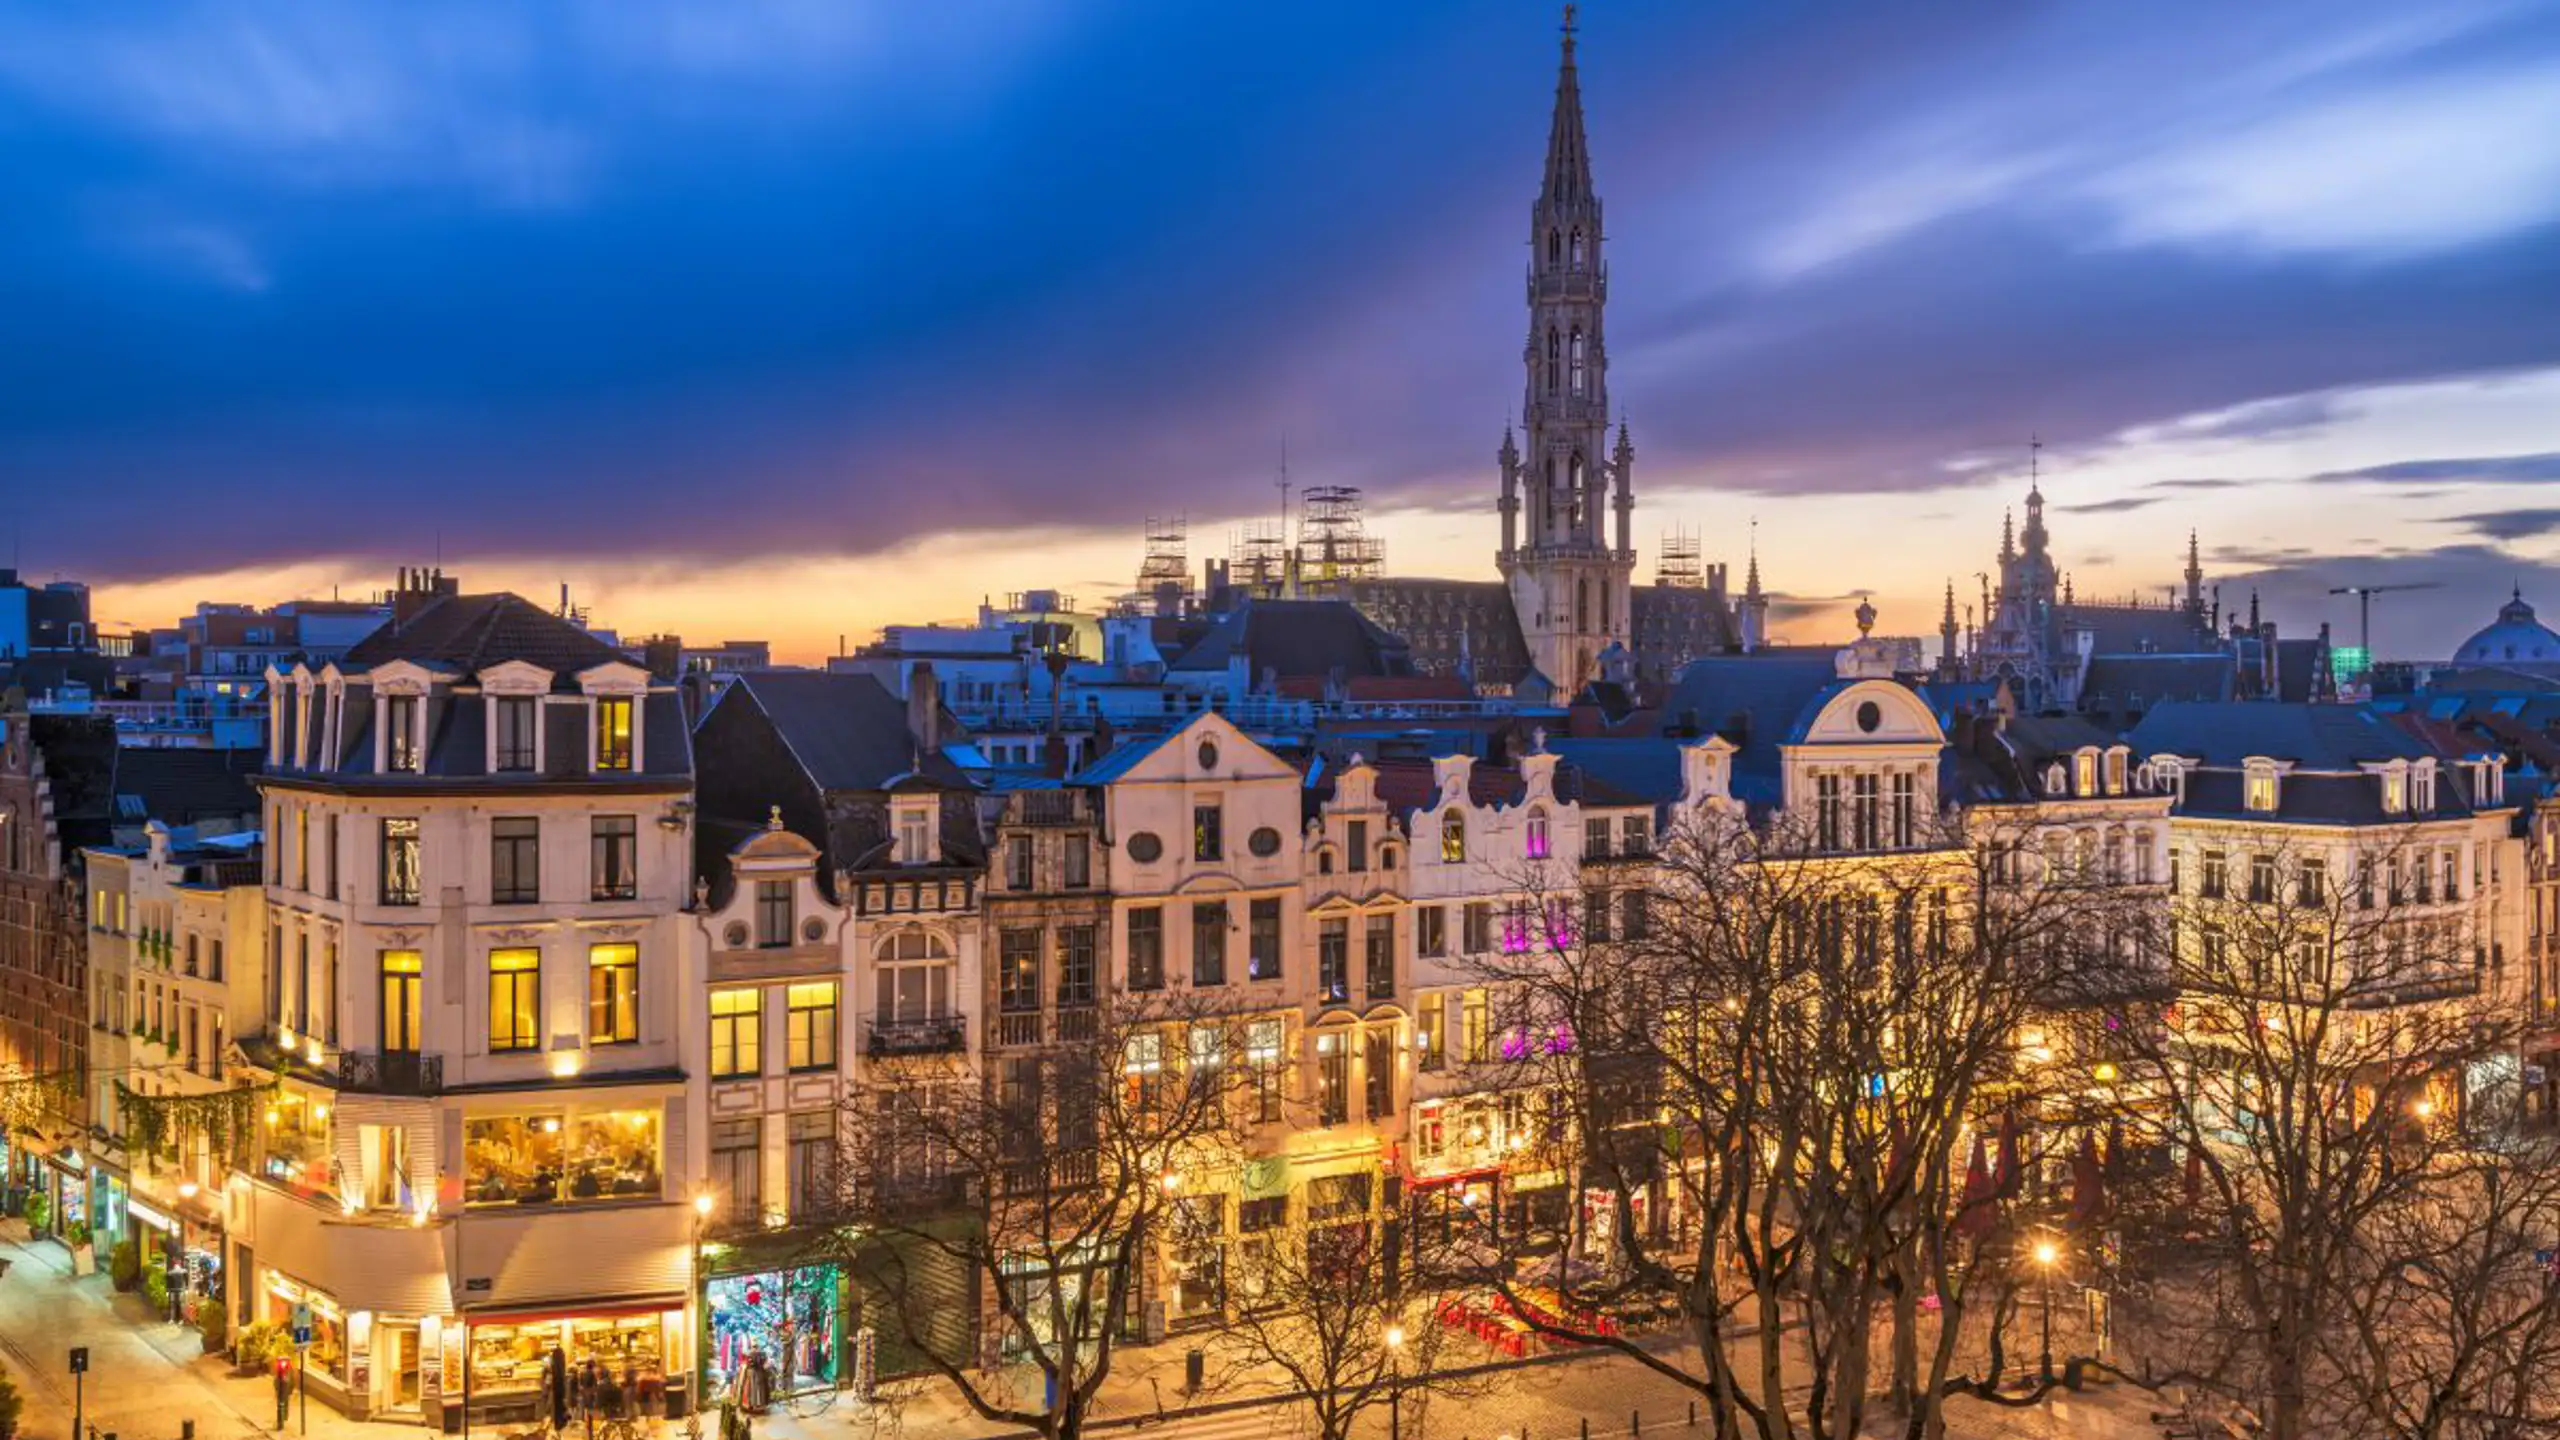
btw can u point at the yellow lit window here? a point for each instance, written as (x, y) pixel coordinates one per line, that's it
(613, 994)
(613, 733)
(812, 1037)
(515, 999)
(737, 1018)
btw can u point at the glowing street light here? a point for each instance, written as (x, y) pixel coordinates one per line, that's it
(2046, 1253)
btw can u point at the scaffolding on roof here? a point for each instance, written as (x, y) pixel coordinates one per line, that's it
(1333, 549)
(1679, 567)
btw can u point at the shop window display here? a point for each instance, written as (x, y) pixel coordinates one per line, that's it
(540, 1159)
(507, 1358)
(791, 1318)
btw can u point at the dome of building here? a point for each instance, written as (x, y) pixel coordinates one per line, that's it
(2516, 642)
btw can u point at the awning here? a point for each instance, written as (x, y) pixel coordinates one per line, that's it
(386, 1266)
(568, 1259)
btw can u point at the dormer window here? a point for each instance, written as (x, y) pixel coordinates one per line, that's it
(915, 837)
(1453, 836)
(1537, 835)
(2422, 786)
(2084, 773)
(400, 734)
(613, 732)
(516, 723)
(2395, 792)
(2115, 772)
(2260, 789)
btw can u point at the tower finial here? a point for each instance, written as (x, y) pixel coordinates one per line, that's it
(1751, 577)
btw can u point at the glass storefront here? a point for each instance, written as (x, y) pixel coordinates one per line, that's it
(792, 1318)
(572, 1157)
(510, 1355)
(328, 1354)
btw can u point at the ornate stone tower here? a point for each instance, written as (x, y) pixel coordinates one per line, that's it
(1570, 580)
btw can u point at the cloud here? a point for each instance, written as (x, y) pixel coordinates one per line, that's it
(2207, 484)
(2510, 524)
(2116, 506)
(2476, 470)
(2416, 166)
(2282, 417)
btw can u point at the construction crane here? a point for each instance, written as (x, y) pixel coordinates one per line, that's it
(2364, 607)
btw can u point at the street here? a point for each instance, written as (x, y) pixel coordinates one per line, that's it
(147, 1378)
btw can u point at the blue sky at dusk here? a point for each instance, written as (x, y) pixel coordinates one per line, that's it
(794, 319)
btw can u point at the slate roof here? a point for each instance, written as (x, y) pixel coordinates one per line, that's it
(847, 731)
(2316, 737)
(1445, 623)
(1121, 758)
(1290, 638)
(1633, 771)
(182, 786)
(1756, 701)
(2129, 681)
(2138, 630)
(469, 633)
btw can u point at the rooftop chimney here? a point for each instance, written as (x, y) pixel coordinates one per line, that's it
(924, 708)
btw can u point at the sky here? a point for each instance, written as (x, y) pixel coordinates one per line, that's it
(793, 319)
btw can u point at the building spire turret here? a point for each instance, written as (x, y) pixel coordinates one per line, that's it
(1570, 572)
(1948, 633)
(2195, 580)
(1568, 178)
(1751, 617)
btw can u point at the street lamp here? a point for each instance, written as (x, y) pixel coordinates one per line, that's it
(1395, 1382)
(702, 1207)
(2046, 1254)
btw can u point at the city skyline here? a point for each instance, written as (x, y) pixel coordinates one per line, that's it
(797, 322)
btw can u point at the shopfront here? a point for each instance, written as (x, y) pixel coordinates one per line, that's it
(325, 1361)
(504, 1358)
(793, 1318)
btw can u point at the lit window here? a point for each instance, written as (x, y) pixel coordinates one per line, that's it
(613, 733)
(1453, 837)
(2262, 790)
(737, 1020)
(515, 999)
(613, 994)
(812, 1038)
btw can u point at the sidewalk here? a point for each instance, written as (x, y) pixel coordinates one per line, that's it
(146, 1375)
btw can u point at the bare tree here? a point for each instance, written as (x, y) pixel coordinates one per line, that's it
(1769, 1084)
(1038, 1185)
(1331, 1308)
(2344, 1254)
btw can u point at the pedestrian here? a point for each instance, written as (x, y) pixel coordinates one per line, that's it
(555, 1378)
(284, 1393)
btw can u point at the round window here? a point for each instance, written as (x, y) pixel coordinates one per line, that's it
(1144, 846)
(1870, 715)
(813, 929)
(1208, 754)
(1264, 841)
(736, 935)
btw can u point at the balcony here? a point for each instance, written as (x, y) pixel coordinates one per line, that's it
(1020, 1028)
(391, 1072)
(927, 1035)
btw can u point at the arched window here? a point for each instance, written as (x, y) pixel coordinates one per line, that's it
(1555, 361)
(1576, 487)
(1537, 841)
(1555, 246)
(1582, 603)
(1577, 361)
(1577, 248)
(1453, 836)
